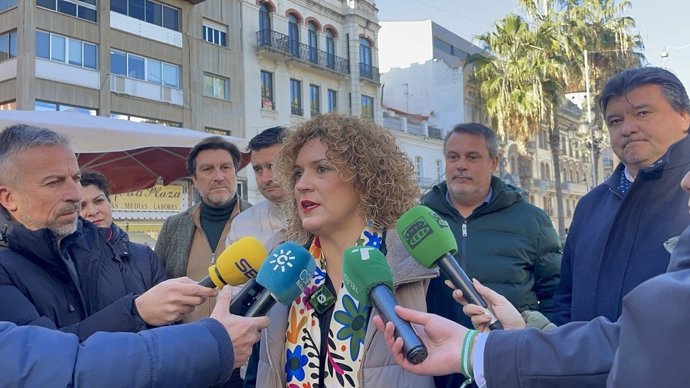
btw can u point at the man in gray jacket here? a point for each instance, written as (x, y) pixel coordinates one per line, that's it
(649, 345)
(189, 242)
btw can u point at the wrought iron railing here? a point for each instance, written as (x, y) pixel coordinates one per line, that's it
(273, 40)
(436, 133)
(369, 72)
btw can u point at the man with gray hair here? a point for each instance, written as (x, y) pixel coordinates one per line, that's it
(57, 270)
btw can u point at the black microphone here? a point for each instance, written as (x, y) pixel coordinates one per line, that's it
(248, 295)
(429, 240)
(367, 277)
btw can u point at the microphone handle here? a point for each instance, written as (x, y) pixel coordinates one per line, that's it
(207, 282)
(414, 349)
(245, 298)
(452, 270)
(263, 303)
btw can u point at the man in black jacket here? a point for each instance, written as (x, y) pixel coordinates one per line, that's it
(503, 241)
(51, 261)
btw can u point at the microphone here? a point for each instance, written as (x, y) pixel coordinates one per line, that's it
(237, 264)
(429, 240)
(368, 278)
(282, 277)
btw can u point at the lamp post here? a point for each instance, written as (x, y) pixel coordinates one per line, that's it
(589, 119)
(665, 54)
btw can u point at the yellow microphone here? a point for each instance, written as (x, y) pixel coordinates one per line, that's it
(238, 263)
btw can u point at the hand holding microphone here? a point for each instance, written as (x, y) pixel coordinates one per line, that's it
(503, 310)
(429, 240)
(243, 332)
(368, 278)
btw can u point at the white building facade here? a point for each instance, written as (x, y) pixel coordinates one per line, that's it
(305, 58)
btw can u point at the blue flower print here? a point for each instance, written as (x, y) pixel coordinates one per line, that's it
(374, 239)
(294, 367)
(354, 319)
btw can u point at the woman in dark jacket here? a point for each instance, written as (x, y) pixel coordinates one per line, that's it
(140, 267)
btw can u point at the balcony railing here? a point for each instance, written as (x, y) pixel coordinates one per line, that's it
(436, 133)
(369, 72)
(276, 41)
(544, 185)
(425, 182)
(574, 188)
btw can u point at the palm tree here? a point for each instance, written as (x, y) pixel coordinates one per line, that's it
(599, 27)
(508, 85)
(536, 59)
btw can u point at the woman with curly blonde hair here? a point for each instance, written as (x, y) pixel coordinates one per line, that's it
(350, 184)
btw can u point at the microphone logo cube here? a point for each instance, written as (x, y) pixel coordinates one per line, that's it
(303, 279)
(282, 259)
(246, 268)
(441, 222)
(416, 232)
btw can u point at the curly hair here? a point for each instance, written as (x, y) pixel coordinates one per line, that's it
(95, 178)
(364, 154)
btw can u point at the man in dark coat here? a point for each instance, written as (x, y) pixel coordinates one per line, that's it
(616, 240)
(503, 241)
(55, 269)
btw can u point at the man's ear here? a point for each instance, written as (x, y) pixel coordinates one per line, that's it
(494, 163)
(8, 199)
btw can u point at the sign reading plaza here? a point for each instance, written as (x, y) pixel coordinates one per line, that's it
(157, 198)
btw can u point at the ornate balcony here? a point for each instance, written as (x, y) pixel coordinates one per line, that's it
(369, 72)
(273, 41)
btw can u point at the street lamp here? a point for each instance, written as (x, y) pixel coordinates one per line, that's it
(589, 121)
(665, 54)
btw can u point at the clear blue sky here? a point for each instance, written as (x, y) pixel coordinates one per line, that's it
(662, 23)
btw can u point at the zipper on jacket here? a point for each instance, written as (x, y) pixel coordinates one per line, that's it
(464, 229)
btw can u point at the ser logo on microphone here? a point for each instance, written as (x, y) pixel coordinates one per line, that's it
(416, 232)
(246, 268)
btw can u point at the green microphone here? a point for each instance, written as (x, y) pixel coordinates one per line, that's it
(368, 278)
(429, 240)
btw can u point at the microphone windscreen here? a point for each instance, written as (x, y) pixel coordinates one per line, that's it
(425, 235)
(363, 269)
(286, 271)
(238, 263)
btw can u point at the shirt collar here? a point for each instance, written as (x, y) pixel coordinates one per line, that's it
(628, 175)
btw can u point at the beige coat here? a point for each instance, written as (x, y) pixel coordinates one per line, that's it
(378, 367)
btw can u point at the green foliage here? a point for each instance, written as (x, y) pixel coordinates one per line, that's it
(537, 58)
